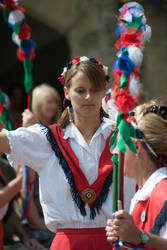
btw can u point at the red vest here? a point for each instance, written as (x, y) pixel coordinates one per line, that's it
(81, 191)
(150, 215)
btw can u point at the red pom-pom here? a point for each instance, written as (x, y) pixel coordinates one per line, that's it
(25, 32)
(32, 54)
(75, 60)
(21, 55)
(131, 39)
(61, 79)
(11, 5)
(1, 107)
(124, 101)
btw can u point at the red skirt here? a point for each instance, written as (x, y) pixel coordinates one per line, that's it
(81, 239)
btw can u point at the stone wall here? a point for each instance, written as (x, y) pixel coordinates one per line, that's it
(89, 29)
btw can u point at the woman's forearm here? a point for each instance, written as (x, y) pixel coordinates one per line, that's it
(4, 143)
(10, 190)
(157, 242)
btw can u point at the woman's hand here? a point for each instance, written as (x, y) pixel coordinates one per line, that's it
(1, 125)
(32, 244)
(28, 118)
(122, 226)
(19, 170)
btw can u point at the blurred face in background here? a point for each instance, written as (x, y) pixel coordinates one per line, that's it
(49, 107)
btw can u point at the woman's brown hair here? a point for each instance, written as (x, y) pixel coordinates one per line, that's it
(96, 76)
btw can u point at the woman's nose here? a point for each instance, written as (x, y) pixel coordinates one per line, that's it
(87, 96)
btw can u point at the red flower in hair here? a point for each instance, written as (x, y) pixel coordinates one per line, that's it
(75, 60)
(1, 107)
(25, 32)
(124, 101)
(61, 79)
(100, 64)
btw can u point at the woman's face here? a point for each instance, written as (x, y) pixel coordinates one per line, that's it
(49, 107)
(85, 100)
(130, 162)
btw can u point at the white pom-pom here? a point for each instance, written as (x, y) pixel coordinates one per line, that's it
(134, 86)
(147, 32)
(135, 54)
(15, 17)
(16, 39)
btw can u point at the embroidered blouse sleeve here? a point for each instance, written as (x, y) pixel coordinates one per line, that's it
(29, 146)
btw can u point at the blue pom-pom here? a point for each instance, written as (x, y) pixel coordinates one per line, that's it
(125, 64)
(27, 45)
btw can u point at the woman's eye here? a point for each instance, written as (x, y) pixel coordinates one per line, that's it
(80, 91)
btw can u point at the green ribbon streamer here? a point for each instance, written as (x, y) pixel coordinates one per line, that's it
(2, 98)
(5, 14)
(123, 81)
(4, 117)
(126, 132)
(136, 22)
(28, 81)
(114, 183)
(119, 197)
(16, 28)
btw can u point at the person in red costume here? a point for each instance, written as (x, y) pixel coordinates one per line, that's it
(73, 160)
(146, 225)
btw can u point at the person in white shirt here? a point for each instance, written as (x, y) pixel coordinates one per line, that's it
(73, 160)
(146, 225)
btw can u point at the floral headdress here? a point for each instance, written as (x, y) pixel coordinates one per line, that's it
(78, 59)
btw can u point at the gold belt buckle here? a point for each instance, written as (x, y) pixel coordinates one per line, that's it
(88, 195)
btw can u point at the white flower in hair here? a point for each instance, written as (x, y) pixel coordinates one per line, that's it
(64, 71)
(83, 58)
(135, 54)
(105, 69)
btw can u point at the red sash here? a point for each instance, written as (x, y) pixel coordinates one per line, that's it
(151, 214)
(105, 166)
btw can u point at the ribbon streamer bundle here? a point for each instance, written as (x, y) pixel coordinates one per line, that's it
(133, 33)
(14, 15)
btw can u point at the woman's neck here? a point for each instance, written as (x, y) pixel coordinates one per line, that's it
(87, 126)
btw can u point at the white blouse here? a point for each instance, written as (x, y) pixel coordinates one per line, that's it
(29, 146)
(145, 192)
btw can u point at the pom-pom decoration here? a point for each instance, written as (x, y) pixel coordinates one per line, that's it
(14, 15)
(133, 33)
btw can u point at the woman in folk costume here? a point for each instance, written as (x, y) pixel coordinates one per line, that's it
(73, 160)
(7, 192)
(147, 224)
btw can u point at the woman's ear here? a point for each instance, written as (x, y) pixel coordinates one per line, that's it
(66, 93)
(138, 145)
